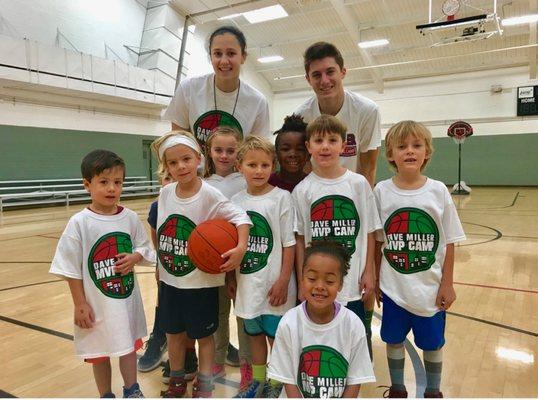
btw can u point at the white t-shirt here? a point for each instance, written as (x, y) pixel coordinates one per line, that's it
(176, 220)
(193, 107)
(320, 359)
(86, 251)
(272, 216)
(360, 115)
(417, 226)
(228, 185)
(342, 209)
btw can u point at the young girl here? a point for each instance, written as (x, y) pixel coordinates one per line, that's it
(189, 297)
(414, 255)
(291, 153)
(320, 347)
(264, 286)
(202, 103)
(219, 172)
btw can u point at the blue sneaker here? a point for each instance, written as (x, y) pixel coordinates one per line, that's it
(252, 391)
(133, 392)
(155, 349)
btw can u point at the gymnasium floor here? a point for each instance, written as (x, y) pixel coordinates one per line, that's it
(492, 329)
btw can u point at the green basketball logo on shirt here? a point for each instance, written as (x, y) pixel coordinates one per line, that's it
(101, 262)
(173, 235)
(322, 372)
(207, 122)
(412, 240)
(260, 244)
(335, 217)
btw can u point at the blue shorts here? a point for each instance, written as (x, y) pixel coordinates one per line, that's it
(264, 324)
(429, 332)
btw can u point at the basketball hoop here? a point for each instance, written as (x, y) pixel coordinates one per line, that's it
(459, 131)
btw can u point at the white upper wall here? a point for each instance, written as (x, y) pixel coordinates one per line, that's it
(438, 101)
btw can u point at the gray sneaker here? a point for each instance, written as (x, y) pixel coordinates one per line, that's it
(155, 349)
(271, 391)
(133, 392)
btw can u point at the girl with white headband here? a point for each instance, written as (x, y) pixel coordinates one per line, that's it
(188, 298)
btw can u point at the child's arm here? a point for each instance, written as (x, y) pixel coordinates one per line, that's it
(367, 280)
(235, 255)
(377, 260)
(155, 246)
(278, 294)
(84, 317)
(299, 261)
(351, 392)
(446, 294)
(292, 391)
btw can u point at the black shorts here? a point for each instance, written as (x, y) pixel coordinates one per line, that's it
(194, 311)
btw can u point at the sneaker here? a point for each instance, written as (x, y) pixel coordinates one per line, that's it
(155, 349)
(392, 393)
(177, 388)
(166, 371)
(271, 391)
(218, 371)
(246, 375)
(191, 364)
(430, 395)
(197, 393)
(133, 392)
(254, 390)
(232, 357)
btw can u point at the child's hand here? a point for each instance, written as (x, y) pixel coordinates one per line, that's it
(378, 295)
(234, 258)
(84, 317)
(366, 286)
(125, 262)
(278, 294)
(231, 285)
(445, 296)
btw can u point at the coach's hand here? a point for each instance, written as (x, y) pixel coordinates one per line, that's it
(125, 262)
(84, 317)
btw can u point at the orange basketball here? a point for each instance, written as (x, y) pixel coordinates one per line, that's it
(208, 241)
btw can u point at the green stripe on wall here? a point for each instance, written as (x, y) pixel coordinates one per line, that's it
(506, 160)
(43, 153)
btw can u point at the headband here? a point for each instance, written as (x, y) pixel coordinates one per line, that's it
(178, 139)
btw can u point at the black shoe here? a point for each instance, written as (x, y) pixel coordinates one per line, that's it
(232, 358)
(155, 349)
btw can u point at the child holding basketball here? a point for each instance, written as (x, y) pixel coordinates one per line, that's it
(220, 172)
(414, 255)
(291, 153)
(263, 286)
(189, 296)
(320, 348)
(334, 202)
(96, 254)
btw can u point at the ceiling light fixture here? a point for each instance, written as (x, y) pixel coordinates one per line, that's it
(523, 19)
(230, 16)
(265, 14)
(373, 43)
(270, 59)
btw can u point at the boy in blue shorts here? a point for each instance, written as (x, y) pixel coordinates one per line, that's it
(414, 255)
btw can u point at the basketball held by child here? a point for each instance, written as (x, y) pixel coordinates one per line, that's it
(208, 241)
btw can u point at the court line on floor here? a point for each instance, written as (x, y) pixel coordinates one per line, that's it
(496, 287)
(37, 328)
(517, 195)
(485, 321)
(30, 284)
(498, 234)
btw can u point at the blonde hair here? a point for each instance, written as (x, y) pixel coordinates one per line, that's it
(326, 124)
(209, 167)
(155, 146)
(256, 143)
(400, 131)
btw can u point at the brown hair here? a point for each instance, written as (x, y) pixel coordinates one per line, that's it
(400, 131)
(97, 161)
(209, 167)
(320, 50)
(326, 124)
(256, 143)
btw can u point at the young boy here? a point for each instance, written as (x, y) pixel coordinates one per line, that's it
(420, 227)
(263, 286)
(336, 203)
(320, 347)
(96, 254)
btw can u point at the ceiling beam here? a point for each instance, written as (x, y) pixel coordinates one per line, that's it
(353, 29)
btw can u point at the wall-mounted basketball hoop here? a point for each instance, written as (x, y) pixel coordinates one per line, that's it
(459, 131)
